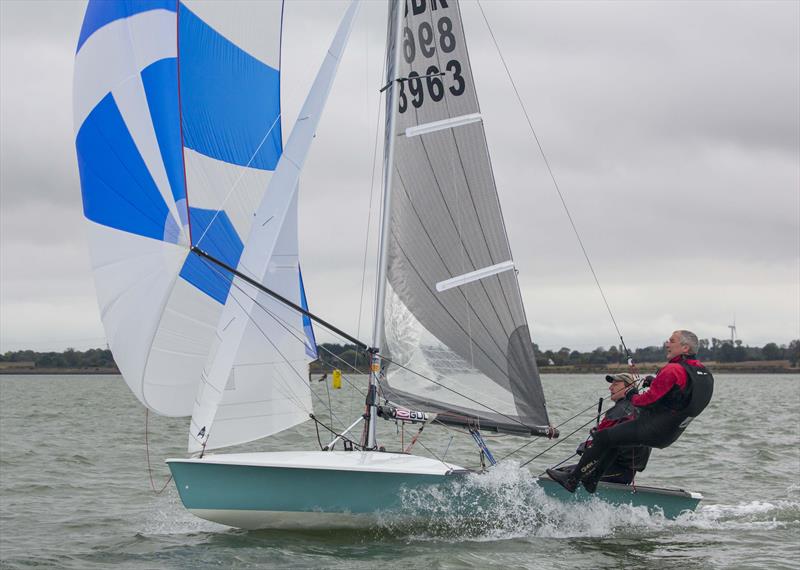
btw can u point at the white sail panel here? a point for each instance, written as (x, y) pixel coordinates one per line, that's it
(134, 276)
(245, 333)
(267, 388)
(215, 185)
(458, 382)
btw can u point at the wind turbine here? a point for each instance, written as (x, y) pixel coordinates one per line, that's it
(733, 330)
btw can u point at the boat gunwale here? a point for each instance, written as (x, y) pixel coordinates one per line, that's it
(341, 461)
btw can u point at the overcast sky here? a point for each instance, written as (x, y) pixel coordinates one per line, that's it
(673, 130)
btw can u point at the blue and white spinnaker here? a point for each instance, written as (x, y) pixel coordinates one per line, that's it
(178, 132)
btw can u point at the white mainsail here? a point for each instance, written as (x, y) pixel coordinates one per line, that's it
(454, 321)
(239, 400)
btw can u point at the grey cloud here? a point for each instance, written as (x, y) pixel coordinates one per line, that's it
(673, 130)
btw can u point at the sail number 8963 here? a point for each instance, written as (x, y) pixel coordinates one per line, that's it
(415, 90)
(433, 82)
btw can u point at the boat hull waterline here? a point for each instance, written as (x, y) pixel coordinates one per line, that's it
(671, 502)
(326, 490)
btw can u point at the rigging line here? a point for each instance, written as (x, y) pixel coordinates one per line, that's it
(339, 435)
(295, 398)
(294, 332)
(236, 182)
(330, 406)
(456, 392)
(299, 336)
(371, 181)
(556, 443)
(279, 297)
(433, 453)
(344, 376)
(147, 452)
(520, 448)
(419, 433)
(278, 320)
(552, 175)
(358, 343)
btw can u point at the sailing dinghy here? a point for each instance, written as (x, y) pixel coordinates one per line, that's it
(191, 201)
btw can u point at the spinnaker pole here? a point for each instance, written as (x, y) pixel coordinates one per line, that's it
(393, 65)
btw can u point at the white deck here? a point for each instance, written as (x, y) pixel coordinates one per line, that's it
(365, 461)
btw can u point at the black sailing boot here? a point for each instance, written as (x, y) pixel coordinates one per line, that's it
(566, 479)
(590, 484)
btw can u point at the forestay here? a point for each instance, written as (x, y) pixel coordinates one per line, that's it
(178, 132)
(471, 338)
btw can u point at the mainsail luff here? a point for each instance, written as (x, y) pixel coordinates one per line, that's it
(473, 339)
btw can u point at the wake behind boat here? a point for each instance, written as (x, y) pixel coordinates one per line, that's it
(191, 200)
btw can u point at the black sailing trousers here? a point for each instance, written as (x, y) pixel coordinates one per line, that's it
(651, 429)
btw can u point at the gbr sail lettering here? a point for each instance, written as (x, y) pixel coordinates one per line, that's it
(422, 41)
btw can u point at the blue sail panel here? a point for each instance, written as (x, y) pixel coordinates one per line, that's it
(311, 344)
(160, 82)
(230, 100)
(220, 241)
(118, 190)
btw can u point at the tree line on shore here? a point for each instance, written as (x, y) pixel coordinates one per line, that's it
(714, 350)
(343, 356)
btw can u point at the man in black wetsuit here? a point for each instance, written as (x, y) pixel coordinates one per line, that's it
(631, 458)
(678, 393)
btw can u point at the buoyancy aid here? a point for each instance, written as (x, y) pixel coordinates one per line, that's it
(694, 398)
(700, 388)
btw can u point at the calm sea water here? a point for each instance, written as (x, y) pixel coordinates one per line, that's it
(75, 492)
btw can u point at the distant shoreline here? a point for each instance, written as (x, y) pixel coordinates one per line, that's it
(749, 367)
(57, 371)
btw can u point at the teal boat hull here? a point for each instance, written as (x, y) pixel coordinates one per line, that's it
(274, 492)
(670, 502)
(327, 490)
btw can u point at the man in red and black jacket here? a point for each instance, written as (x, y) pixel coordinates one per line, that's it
(678, 393)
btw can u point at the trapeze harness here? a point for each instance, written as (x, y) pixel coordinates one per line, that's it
(658, 425)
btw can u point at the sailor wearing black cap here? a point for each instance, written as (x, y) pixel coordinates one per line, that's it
(630, 458)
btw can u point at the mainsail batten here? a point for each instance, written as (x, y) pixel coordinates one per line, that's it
(472, 339)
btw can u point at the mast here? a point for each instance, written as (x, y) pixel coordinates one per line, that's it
(393, 65)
